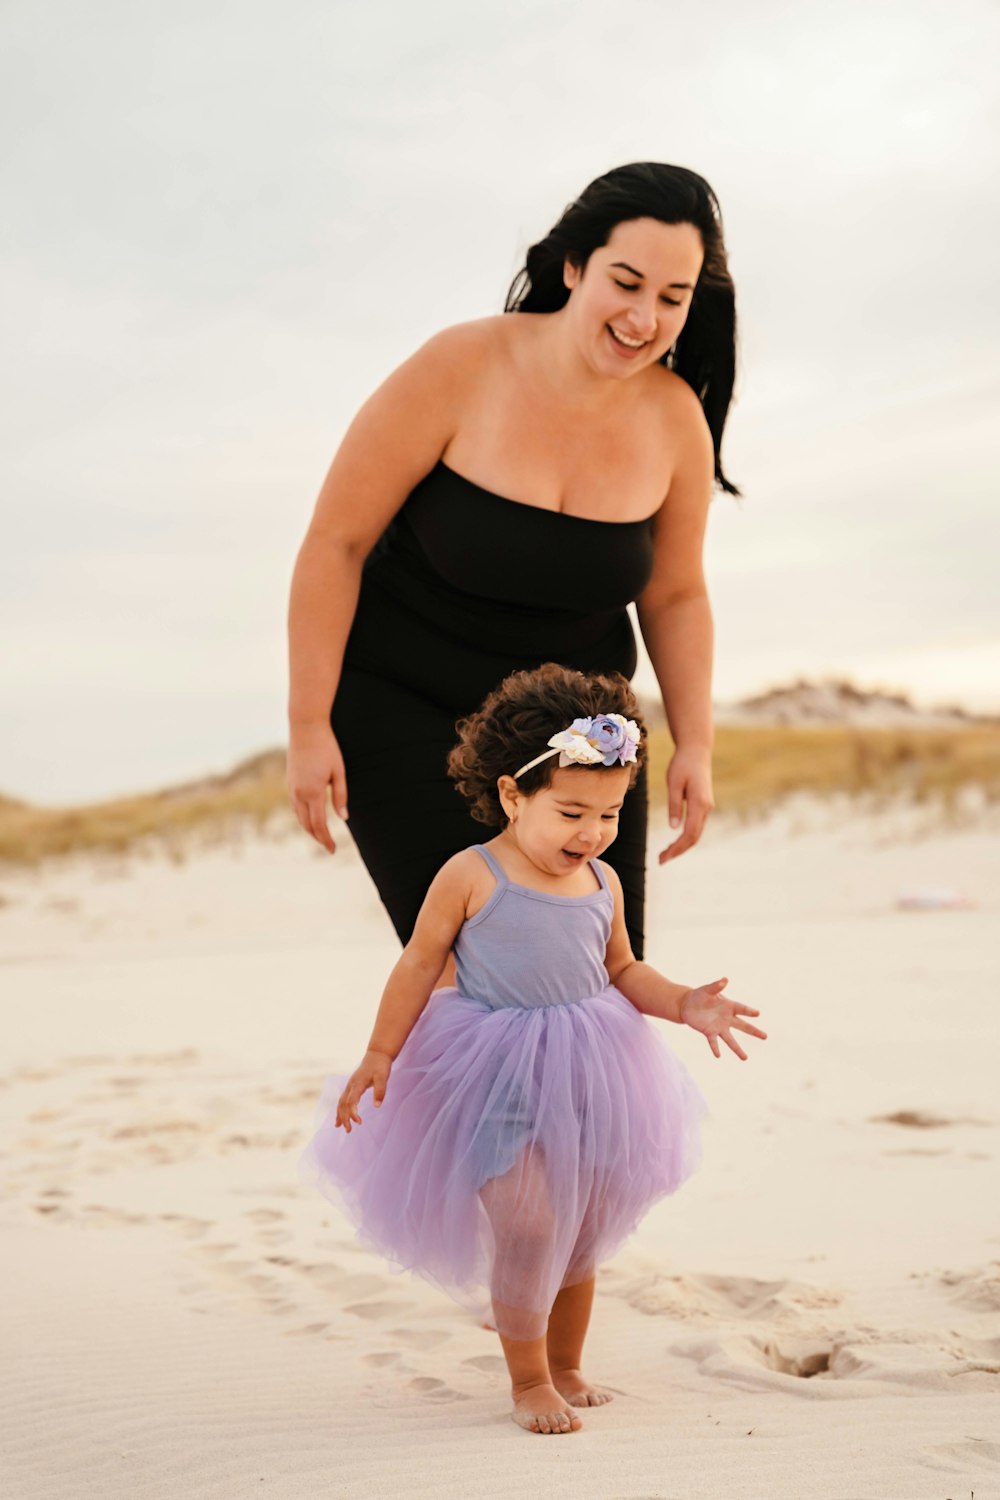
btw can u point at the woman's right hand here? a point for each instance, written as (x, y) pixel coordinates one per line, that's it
(314, 763)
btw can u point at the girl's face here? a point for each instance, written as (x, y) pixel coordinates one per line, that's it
(568, 822)
(632, 299)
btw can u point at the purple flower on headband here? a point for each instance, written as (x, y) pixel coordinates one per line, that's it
(616, 736)
(602, 740)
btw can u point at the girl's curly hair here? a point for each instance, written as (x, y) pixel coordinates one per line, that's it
(514, 725)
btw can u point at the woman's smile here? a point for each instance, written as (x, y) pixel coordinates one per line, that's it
(625, 347)
(629, 340)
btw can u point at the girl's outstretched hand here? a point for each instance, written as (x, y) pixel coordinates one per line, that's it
(372, 1072)
(706, 1010)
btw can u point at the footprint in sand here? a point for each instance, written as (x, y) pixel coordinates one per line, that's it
(971, 1459)
(32, 1075)
(53, 1211)
(711, 1298)
(919, 1151)
(100, 1213)
(489, 1364)
(420, 1338)
(187, 1224)
(268, 1220)
(978, 1288)
(375, 1310)
(273, 1237)
(333, 1279)
(924, 1119)
(430, 1389)
(361, 1295)
(245, 1282)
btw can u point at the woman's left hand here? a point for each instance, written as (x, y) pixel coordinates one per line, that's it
(689, 792)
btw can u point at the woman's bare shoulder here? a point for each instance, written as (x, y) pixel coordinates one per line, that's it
(467, 343)
(674, 388)
(681, 418)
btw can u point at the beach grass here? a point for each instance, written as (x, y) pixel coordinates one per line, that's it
(756, 766)
(754, 769)
(250, 795)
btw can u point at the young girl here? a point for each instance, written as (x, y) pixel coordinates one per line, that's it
(527, 1119)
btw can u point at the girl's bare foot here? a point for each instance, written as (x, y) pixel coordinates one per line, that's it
(538, 1408)
(577, 1391)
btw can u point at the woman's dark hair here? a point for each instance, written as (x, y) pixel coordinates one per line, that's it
(705, 351)
(515, 723)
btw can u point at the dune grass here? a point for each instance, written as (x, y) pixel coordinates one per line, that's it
(250, 795)
(755, 767)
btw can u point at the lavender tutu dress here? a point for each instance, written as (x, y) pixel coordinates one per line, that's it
(531, 1118)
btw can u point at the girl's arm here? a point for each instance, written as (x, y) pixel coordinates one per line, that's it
(648, 989)
(705, 1009)
(395, 439)
(675, 618)
(419, 966)
(410, 984)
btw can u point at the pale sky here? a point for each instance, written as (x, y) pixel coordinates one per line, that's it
(225, 223)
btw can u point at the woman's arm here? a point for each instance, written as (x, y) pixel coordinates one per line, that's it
(675, 618)
(395, 439)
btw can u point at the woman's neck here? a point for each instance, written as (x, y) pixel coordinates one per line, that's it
(561, 366)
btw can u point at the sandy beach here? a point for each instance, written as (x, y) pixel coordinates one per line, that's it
(815, 1314)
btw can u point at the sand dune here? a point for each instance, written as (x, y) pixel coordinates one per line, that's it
(817, 1313)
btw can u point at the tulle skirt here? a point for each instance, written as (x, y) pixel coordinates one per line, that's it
(515, 1149)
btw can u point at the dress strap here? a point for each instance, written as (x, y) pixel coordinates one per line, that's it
(598, 869)
(493, 862)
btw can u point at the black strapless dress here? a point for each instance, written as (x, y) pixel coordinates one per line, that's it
(463, 587)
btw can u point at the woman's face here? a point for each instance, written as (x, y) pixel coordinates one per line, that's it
(632, 299)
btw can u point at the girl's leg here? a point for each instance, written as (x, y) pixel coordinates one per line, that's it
(570, 1316)
(517, 1206)
(538, 1403)
(568, 1323)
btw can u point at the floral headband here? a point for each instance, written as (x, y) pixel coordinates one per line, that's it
(602, 740)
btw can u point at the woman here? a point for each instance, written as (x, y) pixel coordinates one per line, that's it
(497, 503)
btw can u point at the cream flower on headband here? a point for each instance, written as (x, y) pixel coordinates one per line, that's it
(600, 741)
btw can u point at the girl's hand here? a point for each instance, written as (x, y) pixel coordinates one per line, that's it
(314, 763)
(372, 1072)
(689, 782)
(705, 1010)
